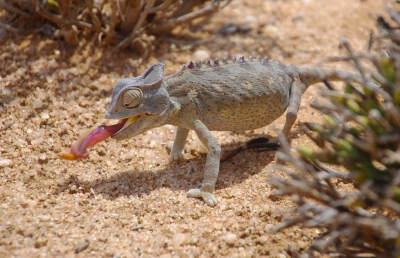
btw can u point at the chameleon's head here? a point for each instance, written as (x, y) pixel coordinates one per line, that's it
(141, 102)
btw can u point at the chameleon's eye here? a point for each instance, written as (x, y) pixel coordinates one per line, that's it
(132, 98)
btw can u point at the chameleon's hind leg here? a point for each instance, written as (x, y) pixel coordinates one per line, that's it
(296, 92)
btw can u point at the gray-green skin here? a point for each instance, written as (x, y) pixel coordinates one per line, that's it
(238, 95)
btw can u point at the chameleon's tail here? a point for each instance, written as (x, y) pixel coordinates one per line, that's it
(312, 75)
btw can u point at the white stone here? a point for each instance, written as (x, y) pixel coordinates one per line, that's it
(201, 55)
(271, 31)
(53, 63)
(45, 116)
(179, 239)
(5, 162)
(230, 238)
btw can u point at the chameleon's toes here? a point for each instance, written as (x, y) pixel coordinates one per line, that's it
(175, 155)
(206, 196)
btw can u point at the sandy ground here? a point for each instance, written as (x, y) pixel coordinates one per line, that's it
(126, 200)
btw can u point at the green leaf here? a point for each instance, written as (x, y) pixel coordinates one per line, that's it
(353, 106)
(389, 71)
(52, 4)
(330, 121)
(307, 153)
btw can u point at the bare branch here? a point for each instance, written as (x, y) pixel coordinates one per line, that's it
(345, 42)
(97, 24)
(15, 10)
(159, 29)
(135, 30)
(120, 11)
(161, 7)
(9, 28)
(58, 20)
(111, 30)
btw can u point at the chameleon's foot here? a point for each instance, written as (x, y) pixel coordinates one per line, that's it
(207, 197)
(175, 155)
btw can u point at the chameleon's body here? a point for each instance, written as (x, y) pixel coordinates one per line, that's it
(239, 95)
(225, 98)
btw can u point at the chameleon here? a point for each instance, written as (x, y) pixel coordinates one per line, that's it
(226, 95)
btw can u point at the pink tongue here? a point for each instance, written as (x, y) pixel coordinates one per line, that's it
(91, 138)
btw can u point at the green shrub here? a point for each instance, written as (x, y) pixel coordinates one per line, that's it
(361, 135)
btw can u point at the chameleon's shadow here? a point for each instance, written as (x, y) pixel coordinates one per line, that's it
(183, 175)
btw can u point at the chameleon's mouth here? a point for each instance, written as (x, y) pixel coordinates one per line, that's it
(127, 122)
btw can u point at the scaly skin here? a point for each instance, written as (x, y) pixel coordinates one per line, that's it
(239, 95)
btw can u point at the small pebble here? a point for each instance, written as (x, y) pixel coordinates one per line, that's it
(170, 144)
(53, 63)
(298, 17)
(43, 157)
(6, 91)
(40, 242)
(130, 154)
(302, 245)
(201, 55)
(253, 221)
(82, 246)
(45, 116)
(37, 103)
(271, 31)
(179, 239)
(218, 225)
(250, 19)
(230, 238)
(293, 245)
(152, 145)
(5, 162)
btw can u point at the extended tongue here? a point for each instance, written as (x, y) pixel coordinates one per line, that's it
(91, 138)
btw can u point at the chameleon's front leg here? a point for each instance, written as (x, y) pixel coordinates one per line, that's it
(211, 167)
(179, 144)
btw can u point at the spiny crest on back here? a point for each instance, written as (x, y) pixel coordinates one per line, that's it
(190, 65)
(264, 60)
(217, 63)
